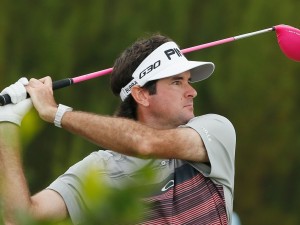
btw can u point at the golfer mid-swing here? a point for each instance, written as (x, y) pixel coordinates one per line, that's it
(193, 157)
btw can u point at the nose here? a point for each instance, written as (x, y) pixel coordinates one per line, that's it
(190, 91)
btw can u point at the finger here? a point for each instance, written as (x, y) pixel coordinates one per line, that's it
(11, 92)
(34, 82)
(23, 81)
(20, 92)
(16, 91)
(32, 85)
(47, 81)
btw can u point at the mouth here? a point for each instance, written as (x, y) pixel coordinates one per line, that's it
(189, 106)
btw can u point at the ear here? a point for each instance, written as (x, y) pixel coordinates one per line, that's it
(140, 95)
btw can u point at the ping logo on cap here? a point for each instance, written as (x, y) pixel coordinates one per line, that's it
(172, 51)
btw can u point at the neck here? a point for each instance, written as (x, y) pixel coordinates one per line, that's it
(156, 122)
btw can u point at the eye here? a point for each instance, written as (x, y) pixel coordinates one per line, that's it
(176, 82)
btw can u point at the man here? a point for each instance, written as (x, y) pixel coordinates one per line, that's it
(155, 125)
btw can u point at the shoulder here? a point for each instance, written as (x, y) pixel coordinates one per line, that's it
(212, 123)
(210, 117)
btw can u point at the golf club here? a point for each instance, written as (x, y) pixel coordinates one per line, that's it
(288, 39)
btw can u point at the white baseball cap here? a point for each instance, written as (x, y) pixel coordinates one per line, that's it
(166, 61)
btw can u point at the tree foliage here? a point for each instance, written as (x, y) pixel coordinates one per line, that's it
(254, 84)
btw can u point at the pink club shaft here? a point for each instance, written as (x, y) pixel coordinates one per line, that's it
(288, 38)
(184, 51)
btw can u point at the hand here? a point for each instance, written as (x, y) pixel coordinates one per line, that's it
(17, 91)
(14, 113)
(41, 94)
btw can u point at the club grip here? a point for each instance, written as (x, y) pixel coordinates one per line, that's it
(62, 83)
(5, 99)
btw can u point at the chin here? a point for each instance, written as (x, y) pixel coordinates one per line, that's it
(187, 119)
(191, 116)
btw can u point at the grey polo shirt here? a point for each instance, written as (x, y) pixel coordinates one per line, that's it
(116, 169)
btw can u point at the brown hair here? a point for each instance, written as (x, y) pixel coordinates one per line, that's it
(124, 67)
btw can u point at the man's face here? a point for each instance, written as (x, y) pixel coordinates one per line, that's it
(172, 105)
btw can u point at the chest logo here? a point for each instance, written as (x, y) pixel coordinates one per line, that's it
(168, 185)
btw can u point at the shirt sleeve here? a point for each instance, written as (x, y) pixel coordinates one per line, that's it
(70, 185)
(219, 138)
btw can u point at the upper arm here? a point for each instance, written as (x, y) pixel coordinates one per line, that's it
(48, 204)
(199, 140)
(181, 143)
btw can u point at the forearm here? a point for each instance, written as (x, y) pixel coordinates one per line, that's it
(133, 138)
(119, 134)
(14, 189)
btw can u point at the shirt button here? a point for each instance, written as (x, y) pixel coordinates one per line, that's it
(163, 163)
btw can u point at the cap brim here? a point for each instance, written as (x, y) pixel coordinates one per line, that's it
(199, 70)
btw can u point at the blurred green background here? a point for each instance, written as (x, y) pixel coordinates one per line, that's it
(254, 85)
